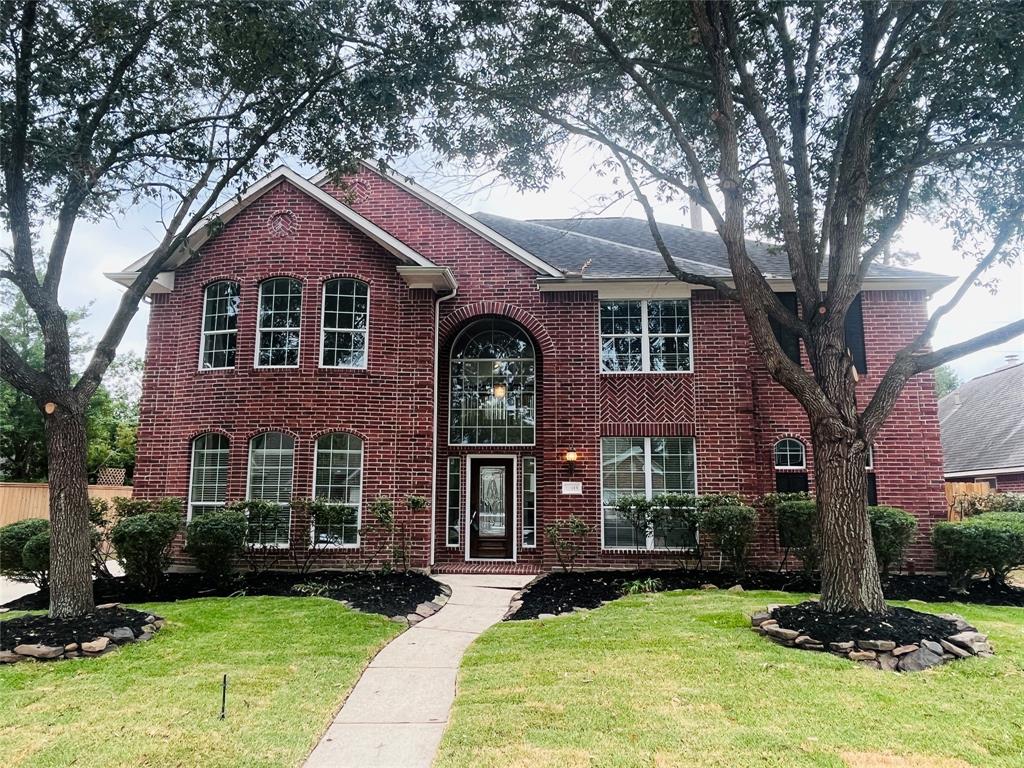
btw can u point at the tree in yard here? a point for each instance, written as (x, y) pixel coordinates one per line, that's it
(946, 380)
(176, 103)
(819, 126)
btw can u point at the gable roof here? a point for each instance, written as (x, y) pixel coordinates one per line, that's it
(982, 423)
(695, 246)
(233, 207)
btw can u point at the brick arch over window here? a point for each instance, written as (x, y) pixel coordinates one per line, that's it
(454, 322)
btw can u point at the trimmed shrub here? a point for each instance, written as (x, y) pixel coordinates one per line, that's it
(731, 529)
(142, 542)
(1004, 502)
(215, 540)
(797, 523)
(711, 500)
(35, 556)
(992, 542)
(567, 536)
(13, 539)
(892, 531)
(262, 523)
(128, 507)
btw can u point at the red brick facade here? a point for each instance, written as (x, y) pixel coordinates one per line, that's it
(728, 404)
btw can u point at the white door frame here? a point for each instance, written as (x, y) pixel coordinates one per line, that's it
(515, 504)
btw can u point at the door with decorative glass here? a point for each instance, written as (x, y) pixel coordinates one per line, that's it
(490, 509)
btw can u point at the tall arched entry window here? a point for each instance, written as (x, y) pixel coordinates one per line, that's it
(493, 394)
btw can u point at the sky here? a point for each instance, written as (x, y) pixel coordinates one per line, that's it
(109, 246)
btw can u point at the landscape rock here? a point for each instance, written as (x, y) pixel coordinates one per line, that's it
(107, 606)
(759, 618)
(546, 616)
(862, 656)
(70, 647)
(709, 586)
(932, 646)
(39, 651)
(149, 627)
(735, 588)
(843, 647)
(905, 649)
(975, 642)
(413, 618)
(99, 645)
(959, 621)
(427, 609)
(10, 657)
(919, 660)
(150, 619)
(805, 641)
(876, 645)
(121, 635)
(781, 633)
(888, 662)
(145, 636)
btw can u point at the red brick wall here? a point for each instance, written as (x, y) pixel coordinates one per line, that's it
(729, 404)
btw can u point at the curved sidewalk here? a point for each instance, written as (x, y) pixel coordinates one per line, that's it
(397, 712)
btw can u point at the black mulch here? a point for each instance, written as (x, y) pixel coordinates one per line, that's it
(30, 630)
(902, 625)
(563, 592)
(391, 594)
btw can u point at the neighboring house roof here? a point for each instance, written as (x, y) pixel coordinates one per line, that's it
(983, 424)
(695, 250)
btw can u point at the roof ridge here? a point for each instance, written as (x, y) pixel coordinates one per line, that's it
(1004, 369)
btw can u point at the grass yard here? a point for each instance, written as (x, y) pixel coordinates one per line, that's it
(290, 662)
(678, 680)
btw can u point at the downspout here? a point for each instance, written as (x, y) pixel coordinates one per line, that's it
(434, 426)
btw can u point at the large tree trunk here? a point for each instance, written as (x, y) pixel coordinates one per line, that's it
(849, 572)
(70, 547)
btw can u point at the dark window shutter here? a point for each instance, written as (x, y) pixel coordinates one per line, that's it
(788, 340)
(791, 482)
(855, 335)
(872, 490)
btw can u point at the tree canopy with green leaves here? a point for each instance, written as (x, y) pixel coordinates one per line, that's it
(821, 127)
(106, 104)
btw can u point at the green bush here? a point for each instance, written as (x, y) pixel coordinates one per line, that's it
(215, 540)
(731, 529)
(13, 539)
(712, 500)
(1004, 502)
(566, 537)
(892, 531)
(797, 523)
(992, 542)
(35, 555)
(142, 542)
(129, 507)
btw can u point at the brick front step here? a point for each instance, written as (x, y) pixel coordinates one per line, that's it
(463, 567)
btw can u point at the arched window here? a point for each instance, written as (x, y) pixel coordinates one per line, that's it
(279, 320)
(271, 464)
(208, 483)
(493, 386)
(220, 325)
(345, 319)
(338, 477)
(790, 466)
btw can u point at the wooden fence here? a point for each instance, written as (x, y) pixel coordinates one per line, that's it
(958, 496)
(19, 501)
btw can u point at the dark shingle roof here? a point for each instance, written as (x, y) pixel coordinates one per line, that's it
(983, 422)
(624, 247)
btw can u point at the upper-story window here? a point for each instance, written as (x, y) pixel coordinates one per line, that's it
(345, 319)
(208, 483)
(280, 315)
(493, 386)
(220, 325)
(645, 335)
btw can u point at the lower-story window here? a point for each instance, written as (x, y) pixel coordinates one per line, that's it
(338, 477)
(529, 501)
(271, 463)
(648, 467)
(452, 508)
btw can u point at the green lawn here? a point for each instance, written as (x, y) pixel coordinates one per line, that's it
(678, 680)
(290, 663)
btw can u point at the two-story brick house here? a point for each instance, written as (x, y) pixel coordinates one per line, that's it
(371, 340)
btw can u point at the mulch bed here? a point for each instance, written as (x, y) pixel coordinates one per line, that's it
(29, 630)
(901, 625)
(564, 592)
(391, 594)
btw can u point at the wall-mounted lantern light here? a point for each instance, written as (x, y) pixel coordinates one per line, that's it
(570, 459)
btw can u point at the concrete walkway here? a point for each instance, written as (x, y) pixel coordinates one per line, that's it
(397, 712)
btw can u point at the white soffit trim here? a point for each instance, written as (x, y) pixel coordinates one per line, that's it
(645, 287)
(454, 212)
(987, 472)
(230, 209)
(432, 278)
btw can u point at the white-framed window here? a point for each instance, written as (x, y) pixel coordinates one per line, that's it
(338, 477)
(208, 480)
(271, 468)
(646, 336)
(790, 454)
(529, 502)
(280, 317)
(453, 501)
(493, 386)
(648, 467)
(346, 317)
(220, 325)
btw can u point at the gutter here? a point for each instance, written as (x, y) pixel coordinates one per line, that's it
(433, 424)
